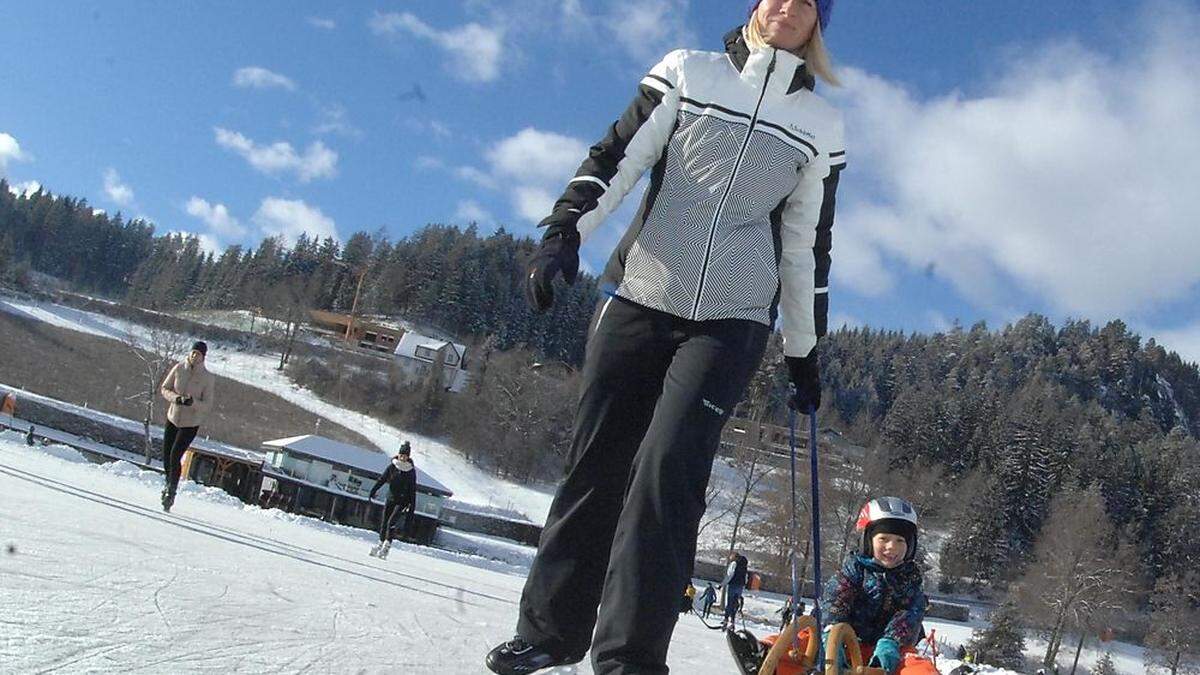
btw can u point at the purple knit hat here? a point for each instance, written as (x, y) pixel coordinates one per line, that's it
(824, 9)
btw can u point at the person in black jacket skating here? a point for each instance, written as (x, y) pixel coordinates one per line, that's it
(734, 232)
(401, 478)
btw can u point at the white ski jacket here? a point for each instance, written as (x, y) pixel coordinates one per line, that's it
(738, 215)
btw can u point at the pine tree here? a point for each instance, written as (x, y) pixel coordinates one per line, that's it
(1105, 665)
(1002, 643)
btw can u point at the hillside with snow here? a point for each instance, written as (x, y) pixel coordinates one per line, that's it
(474, 489)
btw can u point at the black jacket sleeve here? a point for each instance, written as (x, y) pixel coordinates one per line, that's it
(383, 478)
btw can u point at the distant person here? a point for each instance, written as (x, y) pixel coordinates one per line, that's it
(708, 599)
(189, 389)
(689, 599)
(401, 478)
(788, 611)
(29, 437)
(735, 584)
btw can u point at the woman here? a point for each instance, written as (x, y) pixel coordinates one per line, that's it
(188, 388)
(733, 230)
(400, 477)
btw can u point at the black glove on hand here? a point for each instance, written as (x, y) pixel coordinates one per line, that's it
(806, 383)
(179, 400)
(187, 400)
(559, 252)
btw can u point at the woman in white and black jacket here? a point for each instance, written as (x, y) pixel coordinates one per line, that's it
(733, 231)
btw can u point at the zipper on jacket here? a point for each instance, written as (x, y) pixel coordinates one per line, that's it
(737, 164)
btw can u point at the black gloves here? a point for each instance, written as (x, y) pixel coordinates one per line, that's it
(178, 400)
(183, 400)
(806, 382)
(559, 252)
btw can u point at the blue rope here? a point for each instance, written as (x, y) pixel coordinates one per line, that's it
(795, 537)
(816, 518)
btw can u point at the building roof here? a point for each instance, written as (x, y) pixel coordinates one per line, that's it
(336, 452)
(411, 340)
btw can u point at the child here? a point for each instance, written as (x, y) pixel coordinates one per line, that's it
(709, 598)
(878, 590)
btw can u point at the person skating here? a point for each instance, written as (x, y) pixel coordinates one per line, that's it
(734, 584)
(708, 599)
(688, 601)
(734, 230)
(400, 476)
(190, 394)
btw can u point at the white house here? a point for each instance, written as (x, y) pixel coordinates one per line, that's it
(418, 353)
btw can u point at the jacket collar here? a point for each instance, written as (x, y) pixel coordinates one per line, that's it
(740, 55)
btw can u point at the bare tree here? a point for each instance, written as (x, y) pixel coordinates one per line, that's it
(1174, 641)
(1080, 570)
(158, 349)
(288, 302)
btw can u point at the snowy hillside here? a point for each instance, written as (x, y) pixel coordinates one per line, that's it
(473, 488)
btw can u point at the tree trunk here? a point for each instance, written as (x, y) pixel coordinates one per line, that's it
(1078, 649)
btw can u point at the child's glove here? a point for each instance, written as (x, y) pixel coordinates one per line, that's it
(887, 655)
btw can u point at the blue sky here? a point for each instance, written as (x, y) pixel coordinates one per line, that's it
(1004, 157)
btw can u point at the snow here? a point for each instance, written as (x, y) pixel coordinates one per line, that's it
(101, 580)
(471, 485)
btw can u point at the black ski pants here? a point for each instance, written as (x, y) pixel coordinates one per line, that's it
(621, 533)
(393, 513)
(176, 441)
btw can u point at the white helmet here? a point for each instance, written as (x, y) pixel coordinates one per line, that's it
(891, 515)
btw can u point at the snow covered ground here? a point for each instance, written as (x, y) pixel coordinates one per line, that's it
(474, 489)
(97, 579)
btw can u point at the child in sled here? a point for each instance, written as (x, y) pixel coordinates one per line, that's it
(878, 592)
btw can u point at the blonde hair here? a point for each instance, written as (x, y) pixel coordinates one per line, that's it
(814, 53)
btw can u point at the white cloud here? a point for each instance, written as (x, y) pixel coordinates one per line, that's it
(24, 188)
(335, 120)
(322, 23)
(469, 211)
(256, 77)
(429, 162)
(1185, 341)
(288, 218)
(470, 173)
(475, 51)
(1071, 177)
(10, 151)
(533, 165)
(208, 243)
(118, 192)
(318, 161)
(647, 29)
(216, 217)
(534, 156)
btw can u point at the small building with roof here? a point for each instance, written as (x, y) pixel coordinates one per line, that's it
(331, 480)
(419, 354)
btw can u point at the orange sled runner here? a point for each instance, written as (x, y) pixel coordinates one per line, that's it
(793, 652)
